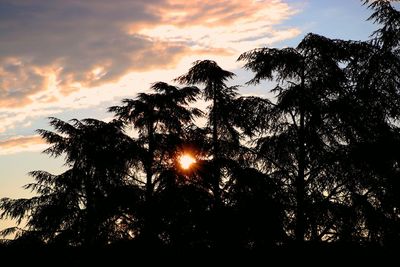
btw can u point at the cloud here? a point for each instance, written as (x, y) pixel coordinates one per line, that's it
(233, 25)
(220, 29)
(58, 55)
(89, 43)
(18, 82)
(78, 43)
(22, 144)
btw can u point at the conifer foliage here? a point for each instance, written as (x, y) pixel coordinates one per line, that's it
(316, 163)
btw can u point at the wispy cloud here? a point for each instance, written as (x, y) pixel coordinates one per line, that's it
(57, 55)
(75, 44)
(22, 144)
(233, 25)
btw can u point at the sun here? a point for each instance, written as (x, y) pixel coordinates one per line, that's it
(186, 161)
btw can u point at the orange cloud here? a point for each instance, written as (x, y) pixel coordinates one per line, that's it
(234, 25)
(211, 13)
(21, 144)
(18, 81)
(155, 55)
(79, 54)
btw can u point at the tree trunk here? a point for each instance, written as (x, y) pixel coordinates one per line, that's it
(90, 231)
(216, 158)
(217, 225)
(300, 185)
(148, 229)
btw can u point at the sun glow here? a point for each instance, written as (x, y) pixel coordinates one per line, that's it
(186, 161)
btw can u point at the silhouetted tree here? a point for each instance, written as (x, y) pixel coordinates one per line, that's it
(183, 203)
(222, 97)
(160, 119)
(298, 134)
(319, 162)
(368, 116)
(83, 205)
(224, 138)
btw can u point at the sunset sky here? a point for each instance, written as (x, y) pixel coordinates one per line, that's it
(73, 59)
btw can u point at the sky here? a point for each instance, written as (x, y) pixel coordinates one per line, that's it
(73, 59)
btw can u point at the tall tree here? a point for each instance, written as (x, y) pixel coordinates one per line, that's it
(368, 116)
(298, 132)
(228, 162)
(220, 122)
(160, 119)
(79, 206)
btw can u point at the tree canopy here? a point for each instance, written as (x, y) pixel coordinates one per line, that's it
(317, 163)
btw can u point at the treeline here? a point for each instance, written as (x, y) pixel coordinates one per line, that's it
(319, 163)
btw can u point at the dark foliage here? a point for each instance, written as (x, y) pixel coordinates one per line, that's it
(315, 167)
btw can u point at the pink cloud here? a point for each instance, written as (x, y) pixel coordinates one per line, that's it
(87, 44)
(22, 144)
(53, 52)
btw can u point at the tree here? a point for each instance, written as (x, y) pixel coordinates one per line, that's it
(318, 163)
(368, 115)
(222, 97)
(298, 137)
(160, 119)
(229, 165)
(86, 203)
